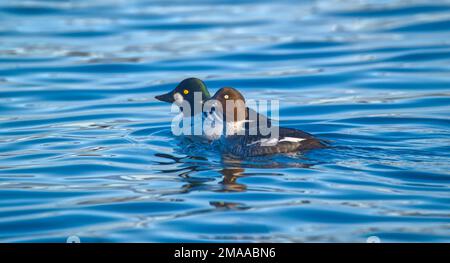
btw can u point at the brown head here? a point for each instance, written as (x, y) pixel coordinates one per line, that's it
(232, 102)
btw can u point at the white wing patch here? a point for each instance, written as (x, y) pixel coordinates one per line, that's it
(292, 139)
(275, 141)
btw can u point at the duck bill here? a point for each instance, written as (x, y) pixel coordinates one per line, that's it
(168, 97)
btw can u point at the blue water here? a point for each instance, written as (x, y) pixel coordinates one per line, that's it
(86, 150)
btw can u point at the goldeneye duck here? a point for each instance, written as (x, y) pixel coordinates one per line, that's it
(185, 92)
(189, 93)
(239, 141)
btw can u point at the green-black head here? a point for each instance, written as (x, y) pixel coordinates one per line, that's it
(185, 92)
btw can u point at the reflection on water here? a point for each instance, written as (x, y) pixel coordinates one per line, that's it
(86, 150)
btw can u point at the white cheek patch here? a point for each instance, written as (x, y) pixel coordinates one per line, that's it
(178, 98)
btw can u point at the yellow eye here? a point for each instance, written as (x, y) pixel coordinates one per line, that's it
(185, 92)
(226, 97)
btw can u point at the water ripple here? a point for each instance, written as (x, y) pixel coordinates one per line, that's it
(86, 150)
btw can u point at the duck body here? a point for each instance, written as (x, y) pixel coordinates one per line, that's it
(241, 142)
(236, 134)
(288, 141)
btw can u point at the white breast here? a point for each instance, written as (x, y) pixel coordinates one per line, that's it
(234, 128)
(213, 126)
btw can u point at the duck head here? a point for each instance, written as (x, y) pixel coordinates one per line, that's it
(185, 92)
(232, 104)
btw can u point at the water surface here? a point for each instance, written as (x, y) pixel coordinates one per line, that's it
(86, 150)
